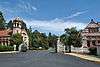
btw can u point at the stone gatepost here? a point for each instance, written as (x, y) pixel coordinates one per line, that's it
(14, 47)
(98, 49)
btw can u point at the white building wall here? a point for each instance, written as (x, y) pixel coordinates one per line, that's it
(16, 30)
(25, 37)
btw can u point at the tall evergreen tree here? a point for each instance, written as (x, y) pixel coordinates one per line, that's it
(10, 25)
(30, 34)
(2, 21)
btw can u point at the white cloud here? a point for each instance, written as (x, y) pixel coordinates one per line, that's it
(56, 25)
(34, 8)
(26, 6)
(76, 14)
(20, 7)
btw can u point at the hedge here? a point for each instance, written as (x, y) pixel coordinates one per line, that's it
(6, 48)
(93, 50)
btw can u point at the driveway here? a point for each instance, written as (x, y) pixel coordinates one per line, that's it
(42, 59)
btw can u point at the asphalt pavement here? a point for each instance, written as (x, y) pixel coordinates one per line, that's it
(42, 59)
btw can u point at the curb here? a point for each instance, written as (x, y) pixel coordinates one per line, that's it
(98, 62)
(8, 52)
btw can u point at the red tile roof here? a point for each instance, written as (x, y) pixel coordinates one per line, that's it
(4, 33)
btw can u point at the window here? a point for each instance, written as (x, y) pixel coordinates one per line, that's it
(99, 41)
(88, 43)
(17, 31)
(93, 43)
(92, 30)
(99, 29)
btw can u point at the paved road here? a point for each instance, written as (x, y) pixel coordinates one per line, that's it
(42, 59)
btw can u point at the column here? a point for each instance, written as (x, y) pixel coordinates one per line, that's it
(84, 43)
(96, 42)
(2, 43)
(84, 46)
(91, 43)
(5, 41)
(8, 41)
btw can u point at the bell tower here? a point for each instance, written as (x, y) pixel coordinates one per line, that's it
(17, 25)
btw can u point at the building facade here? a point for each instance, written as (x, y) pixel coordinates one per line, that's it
(15, 26)
(18, 26)
(5, 37)
(91, 35)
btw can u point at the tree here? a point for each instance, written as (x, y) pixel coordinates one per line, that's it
(64, 39)
(30, 34)
(39, 40)
(43, 40)
(52, 40)
(2, 21)
(16, 39)
(10, 24)
(71, 37)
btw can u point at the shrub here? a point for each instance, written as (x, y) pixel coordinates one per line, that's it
(93, 50)
(23, 48)
(6, 48)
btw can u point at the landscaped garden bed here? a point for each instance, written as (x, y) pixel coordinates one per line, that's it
(6, 48)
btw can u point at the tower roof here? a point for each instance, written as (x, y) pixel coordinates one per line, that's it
(17, 18)
(92, 24)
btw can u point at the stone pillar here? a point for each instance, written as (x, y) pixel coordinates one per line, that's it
(8, 41)
(98, 50)
(96, 42)
(84, 48)
(84, 43)
(14, 47)
(2, 43)
(91, 43)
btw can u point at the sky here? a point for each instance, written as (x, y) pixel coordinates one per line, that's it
(52, 15)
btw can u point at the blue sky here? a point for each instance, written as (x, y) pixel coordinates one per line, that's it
(52, 15)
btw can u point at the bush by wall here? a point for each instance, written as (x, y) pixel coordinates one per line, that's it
(6, 48)
(93, 50)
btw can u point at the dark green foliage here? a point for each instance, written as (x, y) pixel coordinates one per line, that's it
(2, 21)
(10, 25)
(23, 25)
(52, 40)
(30, 34)
(37, 39)
(71, 37)
(16, 39)
(93, 50)
(6, 48)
